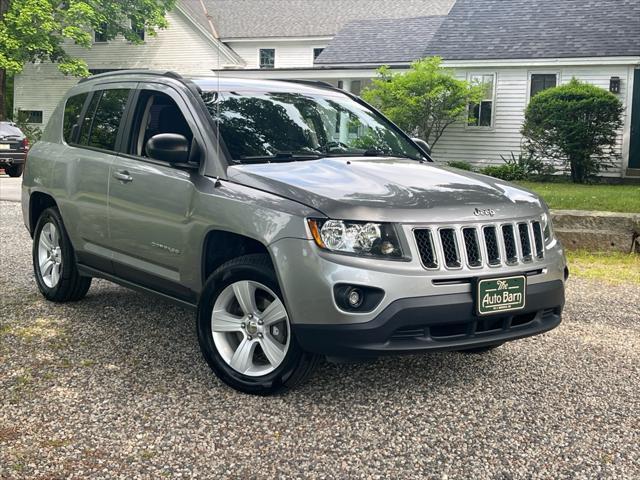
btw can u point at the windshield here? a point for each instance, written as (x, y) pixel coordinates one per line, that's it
(261, 127)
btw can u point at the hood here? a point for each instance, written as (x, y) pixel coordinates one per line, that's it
(389, 190)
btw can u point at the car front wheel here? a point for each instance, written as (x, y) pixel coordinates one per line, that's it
(245, 331)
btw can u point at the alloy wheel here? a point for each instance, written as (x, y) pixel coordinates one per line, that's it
(49, 255)
(250, 328)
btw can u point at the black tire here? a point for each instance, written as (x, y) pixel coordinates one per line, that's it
(479, 350)
(14, 170)
(297, 365)
(71, 286)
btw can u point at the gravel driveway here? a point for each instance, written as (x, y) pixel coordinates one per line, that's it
(115, 386)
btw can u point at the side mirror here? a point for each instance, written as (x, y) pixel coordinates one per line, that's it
(168, 147)
(423, 145)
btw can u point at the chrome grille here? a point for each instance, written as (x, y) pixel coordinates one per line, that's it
(509, 244)
(491, 242)
(426, 248)
(525, 241)
(450, 247)
(537, 237)
(472, 246)
(478, 245)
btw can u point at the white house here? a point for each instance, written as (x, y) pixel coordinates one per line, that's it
(211, 35)
(517, 47)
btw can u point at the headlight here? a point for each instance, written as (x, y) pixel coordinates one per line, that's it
(547, 226)
(359, 238)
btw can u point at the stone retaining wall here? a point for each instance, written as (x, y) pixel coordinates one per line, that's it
(598, 231)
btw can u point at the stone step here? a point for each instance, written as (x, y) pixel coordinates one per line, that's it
(597, 231)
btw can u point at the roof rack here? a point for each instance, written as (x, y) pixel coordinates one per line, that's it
(155, 73)
(313, 83)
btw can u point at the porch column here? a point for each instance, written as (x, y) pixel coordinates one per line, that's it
(344, 119)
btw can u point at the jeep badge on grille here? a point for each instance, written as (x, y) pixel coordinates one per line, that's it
(484, 212)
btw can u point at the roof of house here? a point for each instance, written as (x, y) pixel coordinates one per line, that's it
(495, 29)
(300, 18)
(510, 29)
(381, 41)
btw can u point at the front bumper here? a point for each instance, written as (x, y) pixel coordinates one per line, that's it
(444, 322)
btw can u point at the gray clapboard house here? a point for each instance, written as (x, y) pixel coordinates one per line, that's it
(517, 48)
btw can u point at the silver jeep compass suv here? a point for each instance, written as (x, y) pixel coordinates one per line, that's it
(295, 218)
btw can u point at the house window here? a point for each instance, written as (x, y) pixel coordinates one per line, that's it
(31, 116)
(317, 52)
(481, 114)
(267, 57)
(100, 35)
(138, 29)
(542, 81)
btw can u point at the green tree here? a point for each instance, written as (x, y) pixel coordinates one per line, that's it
(39, 30)
(423, 101)
(576, 124)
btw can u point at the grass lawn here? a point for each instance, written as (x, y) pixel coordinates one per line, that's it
(613, 268)
(569, 196)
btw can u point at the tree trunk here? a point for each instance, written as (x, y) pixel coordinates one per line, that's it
(4, 6)
(3, 93)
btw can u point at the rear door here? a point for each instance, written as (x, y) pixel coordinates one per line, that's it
(150, 200)
(92, 128)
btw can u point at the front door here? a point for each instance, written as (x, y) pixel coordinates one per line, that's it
(634, 146)
(150, 200)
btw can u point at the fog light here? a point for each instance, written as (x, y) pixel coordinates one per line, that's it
(387, 248)
(354, 298)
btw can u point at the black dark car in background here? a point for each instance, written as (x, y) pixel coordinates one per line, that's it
(14, 146)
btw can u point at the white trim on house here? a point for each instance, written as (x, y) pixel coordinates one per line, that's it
(220, 46)
(491, 126)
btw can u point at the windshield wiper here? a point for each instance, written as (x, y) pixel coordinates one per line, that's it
(380, 153)
(281, 157)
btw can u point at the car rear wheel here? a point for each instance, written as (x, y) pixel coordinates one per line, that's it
(54, 261)
(14, 170)
(245, 331)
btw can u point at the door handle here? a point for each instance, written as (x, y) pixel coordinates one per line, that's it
(123, 176)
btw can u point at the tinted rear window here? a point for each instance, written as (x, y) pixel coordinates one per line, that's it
(72, 112)
(102, 120)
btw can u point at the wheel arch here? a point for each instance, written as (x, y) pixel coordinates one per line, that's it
(38, 203)
(220, 246)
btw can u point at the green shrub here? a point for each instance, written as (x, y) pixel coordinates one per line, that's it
(461, 164)
(31, 132)
(506, 172)
(577, 124)
(531, 166)
(425, 100)
(525, 166)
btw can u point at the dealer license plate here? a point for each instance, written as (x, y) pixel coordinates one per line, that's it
(499, 295)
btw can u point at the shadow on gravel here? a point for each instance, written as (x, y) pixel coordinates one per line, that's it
(152, 344)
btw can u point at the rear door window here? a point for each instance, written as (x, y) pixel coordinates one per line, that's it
(72, 111)
(102, 120)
